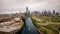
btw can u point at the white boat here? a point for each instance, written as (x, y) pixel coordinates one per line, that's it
(29, 29)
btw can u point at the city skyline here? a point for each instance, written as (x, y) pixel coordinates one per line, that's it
(13, 6)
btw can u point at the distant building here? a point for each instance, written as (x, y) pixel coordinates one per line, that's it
(27, 12)
(49, 13)
(57, 14)
(37, 13)
(53, 11)
(45, 13)
(26, 9)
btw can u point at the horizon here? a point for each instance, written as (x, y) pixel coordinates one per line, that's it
(16, 6)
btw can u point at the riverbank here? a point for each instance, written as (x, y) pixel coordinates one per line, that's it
(46, 29)
(34, 22)
(11, 27)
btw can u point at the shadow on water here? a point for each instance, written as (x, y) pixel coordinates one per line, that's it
(20, 31)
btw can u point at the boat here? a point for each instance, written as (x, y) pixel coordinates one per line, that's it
(28, 29)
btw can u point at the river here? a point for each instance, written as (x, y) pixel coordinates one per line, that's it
(29, 27)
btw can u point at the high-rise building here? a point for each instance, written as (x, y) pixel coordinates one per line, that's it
(57, 13)
(53, 11)
(27, 11)
(49, 13)
(45, 13)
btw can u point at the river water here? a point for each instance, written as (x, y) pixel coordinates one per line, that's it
(29, 27)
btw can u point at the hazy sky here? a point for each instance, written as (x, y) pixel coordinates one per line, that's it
(12, 6)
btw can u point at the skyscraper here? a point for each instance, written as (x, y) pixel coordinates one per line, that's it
(27, 11)
(53, 11)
